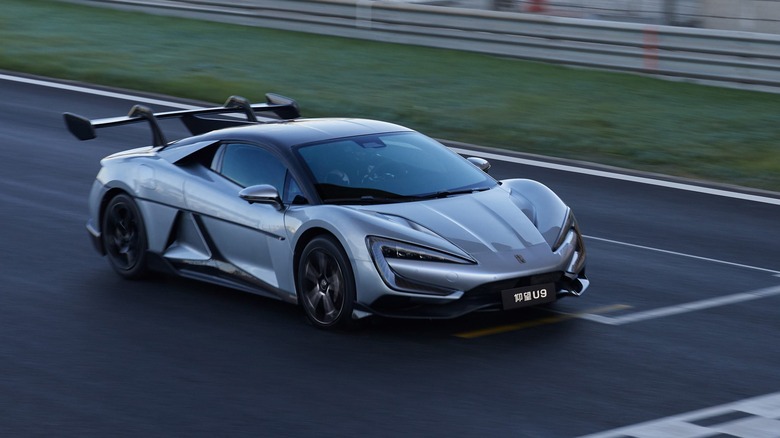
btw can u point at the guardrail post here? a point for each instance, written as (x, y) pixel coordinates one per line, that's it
(669, 12)
(503, 5)
(537, 6)
(363, 13)
(651, 49)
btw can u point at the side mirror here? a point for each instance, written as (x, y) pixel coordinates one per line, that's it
(481, 163)
(262, 194)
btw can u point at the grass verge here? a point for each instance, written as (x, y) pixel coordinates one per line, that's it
(717, 134)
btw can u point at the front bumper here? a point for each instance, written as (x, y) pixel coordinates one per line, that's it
(459, 289)
(486, 297)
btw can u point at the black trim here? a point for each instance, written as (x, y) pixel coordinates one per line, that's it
(195, 213)
(218, 270)
(482, 298)
(283, 107)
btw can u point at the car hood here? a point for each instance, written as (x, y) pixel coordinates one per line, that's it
(490, 221)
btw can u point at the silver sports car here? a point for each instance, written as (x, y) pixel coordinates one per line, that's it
(347, 217)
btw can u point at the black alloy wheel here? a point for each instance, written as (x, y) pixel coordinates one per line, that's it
(124, 237)
(326, 285)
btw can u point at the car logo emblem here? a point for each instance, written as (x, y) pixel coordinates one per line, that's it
(519, 258)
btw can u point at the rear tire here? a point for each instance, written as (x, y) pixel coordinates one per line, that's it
(124, 237)
(326, 284)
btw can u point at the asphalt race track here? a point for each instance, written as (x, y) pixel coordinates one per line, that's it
(682, 315)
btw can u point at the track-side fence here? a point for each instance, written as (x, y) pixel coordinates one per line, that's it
(703, 54)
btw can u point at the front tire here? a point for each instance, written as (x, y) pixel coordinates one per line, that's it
(124, 237)
(326, 284)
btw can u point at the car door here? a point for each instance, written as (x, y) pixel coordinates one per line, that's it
(249, 239)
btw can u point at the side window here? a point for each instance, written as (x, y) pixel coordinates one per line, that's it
(249, 165)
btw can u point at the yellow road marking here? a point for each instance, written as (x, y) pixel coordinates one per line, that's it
(537, 322)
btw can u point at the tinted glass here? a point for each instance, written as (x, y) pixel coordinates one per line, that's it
(396, 166)
(249, 165)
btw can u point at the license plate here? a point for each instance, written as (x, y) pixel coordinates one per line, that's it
(528, 296)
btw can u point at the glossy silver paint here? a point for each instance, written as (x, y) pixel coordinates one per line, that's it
(208, 228)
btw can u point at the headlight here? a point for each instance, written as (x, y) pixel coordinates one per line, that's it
(384, 250)
(393, 249)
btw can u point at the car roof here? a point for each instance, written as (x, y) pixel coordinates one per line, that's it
(289, 133)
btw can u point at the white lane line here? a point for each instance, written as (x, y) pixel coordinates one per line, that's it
(622, 177)
(104, 93)
(752, 417)
(493, 156)
(573, 169)
(686, 307)
(683, 308)
(664, 251)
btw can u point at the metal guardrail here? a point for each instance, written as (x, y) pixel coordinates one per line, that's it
(703, 54)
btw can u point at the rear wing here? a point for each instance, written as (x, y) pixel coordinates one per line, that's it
(282, 107)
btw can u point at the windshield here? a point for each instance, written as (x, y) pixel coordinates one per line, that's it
(391, 167)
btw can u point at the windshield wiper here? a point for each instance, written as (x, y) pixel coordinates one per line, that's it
(448, 193)
(368, 199)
